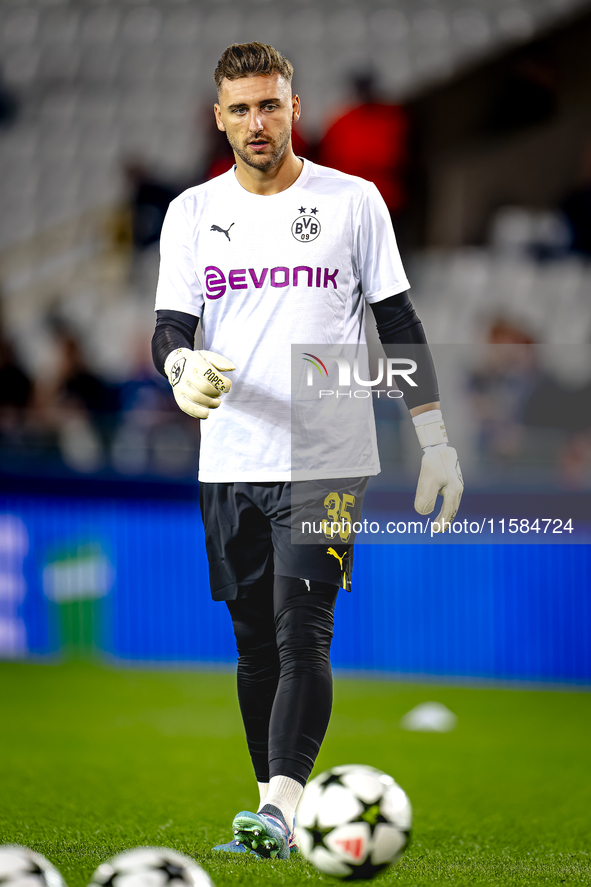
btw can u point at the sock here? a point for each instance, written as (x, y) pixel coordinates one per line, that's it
(284, 794)
(263, 789)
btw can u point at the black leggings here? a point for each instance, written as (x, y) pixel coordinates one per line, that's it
(283, 633)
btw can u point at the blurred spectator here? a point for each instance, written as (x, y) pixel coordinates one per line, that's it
(518, 230)
(75, 384)
(70, 416)
(9, 105)
(504, 332)
(575, 462)
(501, 388)
(577, 209)
(15, 391)
(218, 155)
(369, 139)
(75, 405)
(149, 197)
(524, 413)
(526, 96)
(153, 434)
(548, 233)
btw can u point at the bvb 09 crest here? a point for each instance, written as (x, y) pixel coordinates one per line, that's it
(306, 228)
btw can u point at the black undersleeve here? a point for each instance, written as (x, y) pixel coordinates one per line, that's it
(174, 329)
(283, 633)
(398, 324)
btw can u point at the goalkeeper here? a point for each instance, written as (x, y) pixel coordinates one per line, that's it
(275, 252)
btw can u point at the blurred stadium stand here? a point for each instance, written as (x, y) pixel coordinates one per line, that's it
(100, 99)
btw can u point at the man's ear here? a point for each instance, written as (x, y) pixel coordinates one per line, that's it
(296, 108)
(218, 117)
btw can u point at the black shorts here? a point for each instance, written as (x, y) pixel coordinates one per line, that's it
(250, 529)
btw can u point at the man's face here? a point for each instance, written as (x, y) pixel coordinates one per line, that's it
(257, 114)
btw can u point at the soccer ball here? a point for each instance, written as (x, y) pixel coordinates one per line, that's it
(353, 822)
(150, 867)
(21, 867)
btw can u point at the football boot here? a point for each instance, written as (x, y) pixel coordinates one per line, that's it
(267, 835)
(235, 847)
(293, 847)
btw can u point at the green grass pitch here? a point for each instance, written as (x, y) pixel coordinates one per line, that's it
(96, 760)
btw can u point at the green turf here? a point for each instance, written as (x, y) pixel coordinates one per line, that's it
(94, 760)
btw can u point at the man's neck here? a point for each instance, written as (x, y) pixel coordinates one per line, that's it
(270, 181)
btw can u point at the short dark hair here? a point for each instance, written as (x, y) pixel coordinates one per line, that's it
(250, 59)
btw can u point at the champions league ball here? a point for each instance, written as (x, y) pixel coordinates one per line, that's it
(353, 821)
(150, 867)
(21, 867)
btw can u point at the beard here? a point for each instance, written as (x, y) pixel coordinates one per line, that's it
(258, 161)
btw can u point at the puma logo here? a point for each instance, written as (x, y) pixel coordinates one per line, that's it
(222, 230)
(334, 554)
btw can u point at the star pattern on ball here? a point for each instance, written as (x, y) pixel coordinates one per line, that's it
(314, 210)
(318, 835)
(110, 881)
(371, 813)
(33, 868)
(30, 869)
(331, 779)
(365, 870)
(302, 209)
(173, 871)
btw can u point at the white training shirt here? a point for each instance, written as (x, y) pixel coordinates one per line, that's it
(267, 272)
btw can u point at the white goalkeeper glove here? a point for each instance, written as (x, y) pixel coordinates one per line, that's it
(197, 383)
(440, 471)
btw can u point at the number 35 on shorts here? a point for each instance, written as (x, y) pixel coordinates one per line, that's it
(339, 519)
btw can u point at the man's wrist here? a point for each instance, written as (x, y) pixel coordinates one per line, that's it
(171, 360)
(430, 429)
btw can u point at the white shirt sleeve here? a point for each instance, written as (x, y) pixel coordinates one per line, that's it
(376, 256)
(179, 288)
